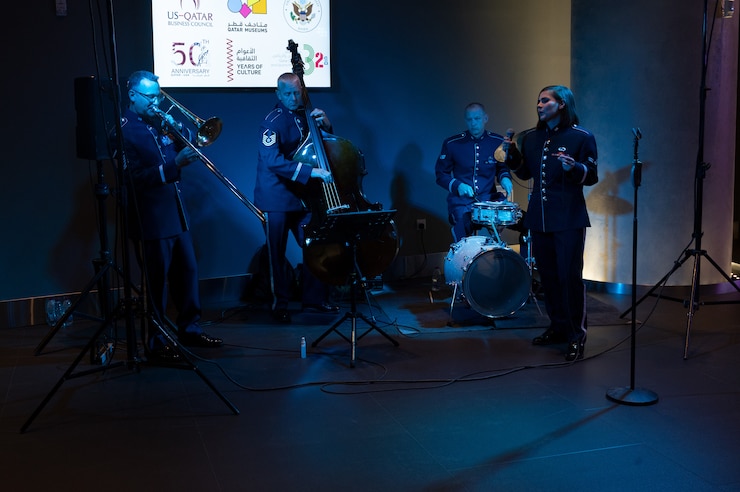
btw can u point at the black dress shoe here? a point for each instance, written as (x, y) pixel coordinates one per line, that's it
(324, 307)
(575, 350)
(165, 354)
(281, 315)
(201, 339)
(549, 337)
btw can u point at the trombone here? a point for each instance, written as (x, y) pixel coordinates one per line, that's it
(208, 132)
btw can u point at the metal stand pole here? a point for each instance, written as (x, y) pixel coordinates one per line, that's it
(632, 395)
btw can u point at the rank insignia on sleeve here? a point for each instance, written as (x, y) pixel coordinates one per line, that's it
(268, 138)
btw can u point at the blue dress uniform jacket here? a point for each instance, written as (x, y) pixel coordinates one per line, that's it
(469, 160)
(154, 175)
(557, 202)
(280, 181)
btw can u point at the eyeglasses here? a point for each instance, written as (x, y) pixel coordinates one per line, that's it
(152, 98)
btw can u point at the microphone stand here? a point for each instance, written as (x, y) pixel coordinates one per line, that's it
(696, 252)
(631, 395)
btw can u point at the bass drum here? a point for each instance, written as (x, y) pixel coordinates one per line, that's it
(494, 279)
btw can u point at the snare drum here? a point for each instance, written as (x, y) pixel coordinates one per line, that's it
(494, 278)
(495, 213)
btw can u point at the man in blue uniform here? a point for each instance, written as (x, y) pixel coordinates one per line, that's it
(467, 169)
(560, 157)
(159, 220)
(278, 191)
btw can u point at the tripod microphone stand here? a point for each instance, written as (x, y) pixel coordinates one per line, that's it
(696, 253)
(102, 266)
(350, 228)
(125, 307)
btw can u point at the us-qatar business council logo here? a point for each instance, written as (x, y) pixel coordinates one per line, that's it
(302, 16)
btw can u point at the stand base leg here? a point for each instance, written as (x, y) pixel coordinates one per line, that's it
(353, 338)
(189, 363)
(632, 396)
(133, 362)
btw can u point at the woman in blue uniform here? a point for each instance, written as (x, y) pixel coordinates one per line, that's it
(560, 157)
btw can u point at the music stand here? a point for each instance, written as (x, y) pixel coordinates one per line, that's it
(351, 228)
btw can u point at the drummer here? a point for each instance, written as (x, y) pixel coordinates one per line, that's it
(467, 169)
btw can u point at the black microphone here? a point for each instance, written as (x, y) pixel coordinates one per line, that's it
(635, 131)
(502, 151)
(509, 135)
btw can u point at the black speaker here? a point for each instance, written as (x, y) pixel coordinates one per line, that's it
(94, 104)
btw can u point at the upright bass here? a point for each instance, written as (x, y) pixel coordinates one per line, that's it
(333, 256)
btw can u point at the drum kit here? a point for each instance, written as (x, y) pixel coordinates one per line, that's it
(494, 279)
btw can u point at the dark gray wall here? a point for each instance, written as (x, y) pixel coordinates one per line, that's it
(640, 66)
(401, 81)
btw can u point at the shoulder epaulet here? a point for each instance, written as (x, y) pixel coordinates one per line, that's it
(275, 113)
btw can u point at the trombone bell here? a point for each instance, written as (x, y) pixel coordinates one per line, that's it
(208, 130)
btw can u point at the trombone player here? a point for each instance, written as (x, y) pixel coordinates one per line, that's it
(158, 218)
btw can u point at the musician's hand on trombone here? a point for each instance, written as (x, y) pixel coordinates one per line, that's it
(321, 118)
(169, 123)
(322, 174)
(186, 157)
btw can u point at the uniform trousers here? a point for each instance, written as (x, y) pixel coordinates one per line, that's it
(559, 260)
(172, 270)
(277, 226)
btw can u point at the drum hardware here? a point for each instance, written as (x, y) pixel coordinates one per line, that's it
(530, 263)
(526, 248)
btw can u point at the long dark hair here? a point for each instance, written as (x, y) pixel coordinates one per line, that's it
(563, 95)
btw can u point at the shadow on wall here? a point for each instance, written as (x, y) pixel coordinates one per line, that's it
(411, 180)
(80, 243)
(225, 230)
(603, 202)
